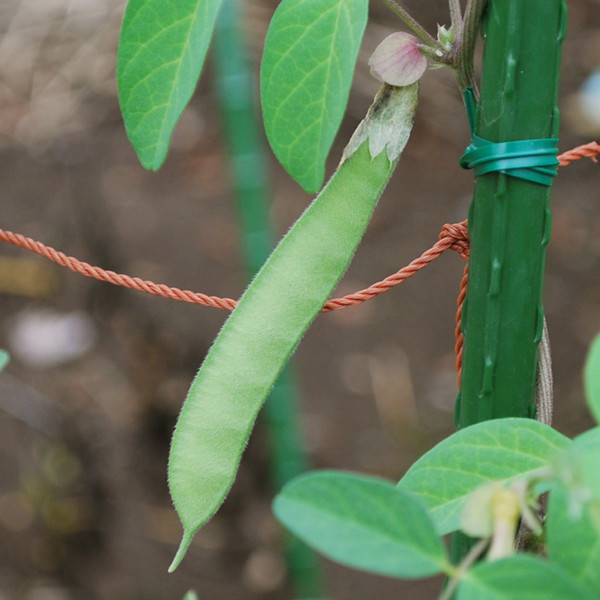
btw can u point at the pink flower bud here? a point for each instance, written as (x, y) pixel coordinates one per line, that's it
(398, 60)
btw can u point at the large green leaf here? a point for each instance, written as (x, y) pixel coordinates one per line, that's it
(498, 450)
(161, 52)
(592, 379)
(307, 68)
(362, 522)
(520, 577)
(574, 540)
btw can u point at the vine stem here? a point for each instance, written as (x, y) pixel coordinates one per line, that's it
(456, 18)
(466, 47)
(467, 562)
(412, 23)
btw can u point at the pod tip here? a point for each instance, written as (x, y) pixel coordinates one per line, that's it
(181, 551)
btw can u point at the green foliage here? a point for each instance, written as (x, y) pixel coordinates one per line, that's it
(577, 468)
(344, 516)
(307, 68)
(161, 52)
(519, 577)
(574, 539)
(362, 522)
(592, 379)
(498, 450)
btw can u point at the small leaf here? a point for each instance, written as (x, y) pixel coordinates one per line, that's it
(162, 49)
(574, 543)
(498, 450)
(362, 522)
(592, 379)
(520, 577)
(307, 68)
(191, 595)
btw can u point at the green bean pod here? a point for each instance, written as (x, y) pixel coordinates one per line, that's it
(274, 312)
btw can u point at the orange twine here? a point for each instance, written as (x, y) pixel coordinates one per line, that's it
(453, 237)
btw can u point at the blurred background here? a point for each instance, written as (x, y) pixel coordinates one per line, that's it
(98, 373)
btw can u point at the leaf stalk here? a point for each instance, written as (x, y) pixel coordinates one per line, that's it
(413, 24)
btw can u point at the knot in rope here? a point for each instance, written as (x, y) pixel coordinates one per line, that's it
(458, 234)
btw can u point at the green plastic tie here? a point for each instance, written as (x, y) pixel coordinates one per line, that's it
(532, 160)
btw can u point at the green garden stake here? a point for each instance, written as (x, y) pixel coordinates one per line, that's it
(237, 101)
(509, 218)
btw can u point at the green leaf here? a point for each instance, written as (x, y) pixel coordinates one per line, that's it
(586, 456)
(191, 595)
(591, 377)
(306, 74)
(588, 439)
(362, 522)
(576, 469)
(162, 49)
(574, 543)
(520, 577)
(498, 450)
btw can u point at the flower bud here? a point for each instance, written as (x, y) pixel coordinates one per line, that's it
(445, 36)
(397, 60)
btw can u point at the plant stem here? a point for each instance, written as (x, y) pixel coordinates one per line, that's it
(467, 562)
(412, 23)
(456, 19)
(465, 48)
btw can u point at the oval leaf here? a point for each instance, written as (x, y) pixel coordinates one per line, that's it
(574, 543)
(592, 379)
(519, 577)
(306, 74)
(162, 49)
(498, 450)
(362, 522)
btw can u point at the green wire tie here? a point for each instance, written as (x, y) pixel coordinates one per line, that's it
(532, 160)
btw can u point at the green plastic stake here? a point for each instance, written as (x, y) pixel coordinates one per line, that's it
(237, 100)
(509, 219)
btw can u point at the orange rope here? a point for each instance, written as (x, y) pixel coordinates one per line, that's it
(590, 150)
(453, 237)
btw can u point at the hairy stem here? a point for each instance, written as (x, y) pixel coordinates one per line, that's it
(466, 48)
(412, 23)
(456, 18)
